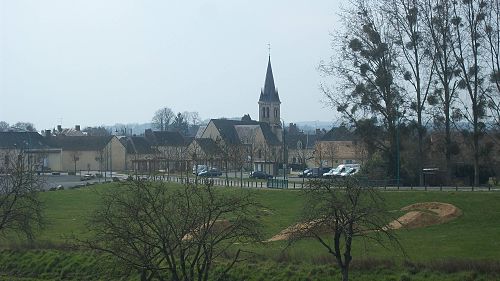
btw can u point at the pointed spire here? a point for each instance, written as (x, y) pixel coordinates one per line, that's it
(269, 93)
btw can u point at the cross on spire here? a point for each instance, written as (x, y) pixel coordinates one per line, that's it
(269, 48)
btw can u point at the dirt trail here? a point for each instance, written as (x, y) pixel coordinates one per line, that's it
(425, 214)
(418, 215)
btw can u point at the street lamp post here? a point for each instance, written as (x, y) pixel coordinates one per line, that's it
(284, 153)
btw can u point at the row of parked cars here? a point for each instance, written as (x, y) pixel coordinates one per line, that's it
(205, 171)
(342, 170)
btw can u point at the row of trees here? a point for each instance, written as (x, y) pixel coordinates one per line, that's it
(165, 119)
(23, 126)
(419, 62)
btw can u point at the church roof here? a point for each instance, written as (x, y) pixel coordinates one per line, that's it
(269, 93)
(339, 134)
(229, 132)
(165, 138)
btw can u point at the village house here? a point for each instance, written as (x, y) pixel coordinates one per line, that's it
(339, 146)
(88, 153)
(37, 153)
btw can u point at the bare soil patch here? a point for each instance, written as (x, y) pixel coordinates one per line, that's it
(425, 214)
(288, 232)
(418, 215)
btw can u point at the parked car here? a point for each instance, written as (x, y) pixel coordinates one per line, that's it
(318, 172)
(199, 168)
(212, 172)
(87, 177)
(350, 171)
(260, 175)
(304, 173)
(342, 168)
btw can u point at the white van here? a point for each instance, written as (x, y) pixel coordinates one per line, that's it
(199, 168)
(350, 171)
(342, 168)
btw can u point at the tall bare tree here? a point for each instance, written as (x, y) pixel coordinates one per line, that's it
(469, 48)
(416, 60)
(20, 206)
(366, 67)
(162, 119)
(338, 213)
(438, 19)
(492, 31)
(173, 234)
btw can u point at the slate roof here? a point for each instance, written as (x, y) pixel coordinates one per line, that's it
(269, 93)
(165, 138)
(229, 134)
(22, 140)
(339, 134)
(308, 141)
(138, 145)
(79, 143)
(208, 146)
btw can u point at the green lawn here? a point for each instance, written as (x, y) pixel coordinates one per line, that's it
(473, 236)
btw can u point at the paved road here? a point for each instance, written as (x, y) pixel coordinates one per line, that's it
(69, 181)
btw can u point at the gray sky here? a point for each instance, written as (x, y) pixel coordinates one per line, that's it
(93, 62)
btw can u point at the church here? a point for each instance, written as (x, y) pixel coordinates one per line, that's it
(245, 144)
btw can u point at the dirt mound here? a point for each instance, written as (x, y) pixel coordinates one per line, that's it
(425, 214)
(418, 215)
(287, 233)
(218, 226)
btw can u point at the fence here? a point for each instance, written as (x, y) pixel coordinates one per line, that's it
(389, 185)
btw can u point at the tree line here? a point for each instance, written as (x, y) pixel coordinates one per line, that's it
(405, 67)
(165, 119)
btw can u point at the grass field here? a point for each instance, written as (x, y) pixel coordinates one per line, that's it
(472, 237)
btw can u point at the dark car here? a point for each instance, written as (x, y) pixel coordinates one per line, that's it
(212, 172)
(304, 173)
(260, 175)
(317, 172)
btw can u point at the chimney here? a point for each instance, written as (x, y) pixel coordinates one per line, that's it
(318, 132)
(77, 128)
(48, 133)
(59, 128)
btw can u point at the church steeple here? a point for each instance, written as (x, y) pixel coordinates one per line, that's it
(269, 93)
(269, 102)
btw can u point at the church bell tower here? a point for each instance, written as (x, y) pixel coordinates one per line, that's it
(269, 103)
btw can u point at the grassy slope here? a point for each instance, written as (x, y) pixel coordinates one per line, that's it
(472, 236)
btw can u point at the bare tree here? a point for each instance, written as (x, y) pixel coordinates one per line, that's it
(20, 207)
(492, 30)
(438, 19)
(173, 234)
(25, 126)
(365, 64)
(75, 157)
(469, 49)
(4, 126)
(416, 60)
(162, 119)
(338, 213)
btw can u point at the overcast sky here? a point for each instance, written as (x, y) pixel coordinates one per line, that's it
(93, 62)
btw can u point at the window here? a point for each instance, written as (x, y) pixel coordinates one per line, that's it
(267, 111)
(263, 112)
